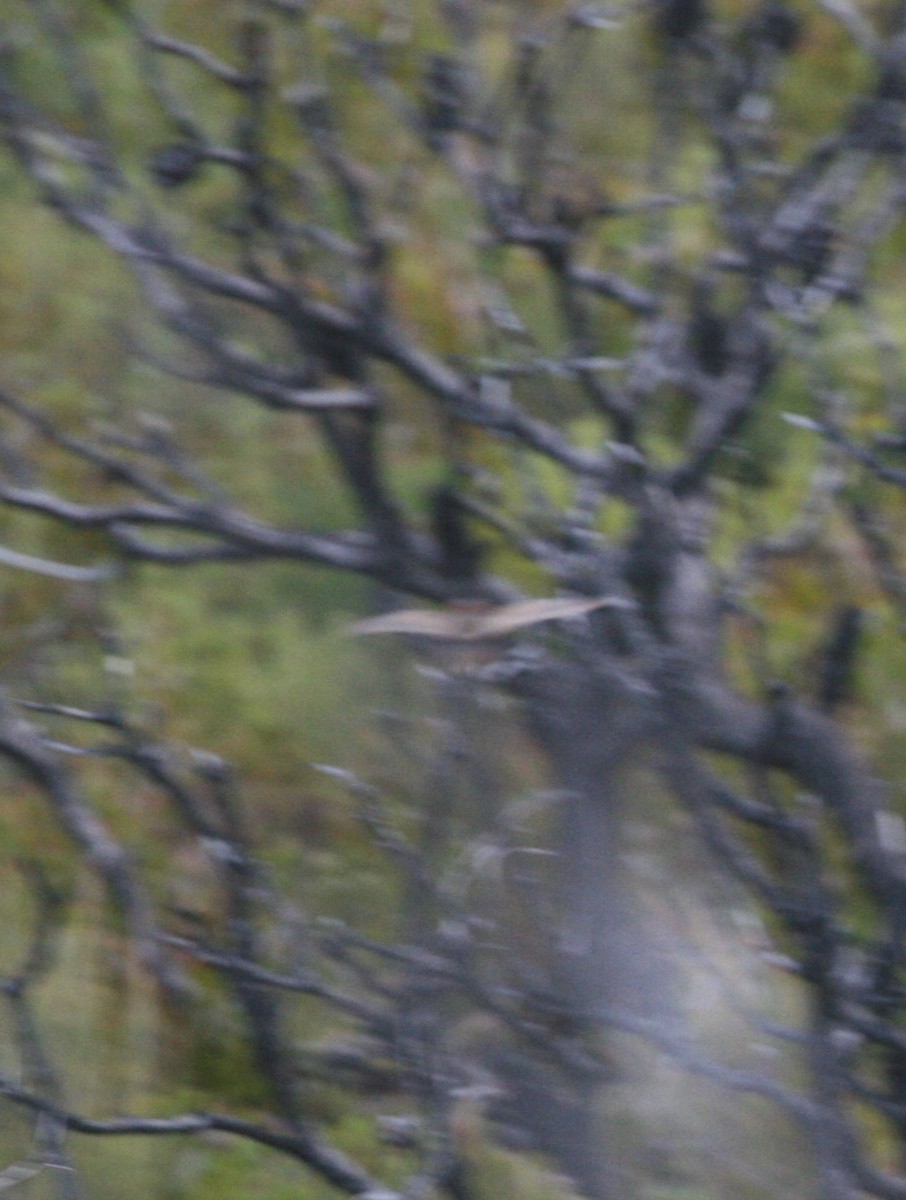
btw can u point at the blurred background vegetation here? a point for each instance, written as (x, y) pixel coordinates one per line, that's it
(254, 663)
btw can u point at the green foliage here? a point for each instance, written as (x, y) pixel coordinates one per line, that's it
(236, 1168)
(255, 663)
(238, 643)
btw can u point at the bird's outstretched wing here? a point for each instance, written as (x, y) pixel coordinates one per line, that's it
(509, 617)
(468, 625)
(427, 622)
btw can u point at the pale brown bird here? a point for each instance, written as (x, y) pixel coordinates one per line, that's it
(475, 623)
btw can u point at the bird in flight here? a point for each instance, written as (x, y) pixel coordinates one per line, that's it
(475, 623)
